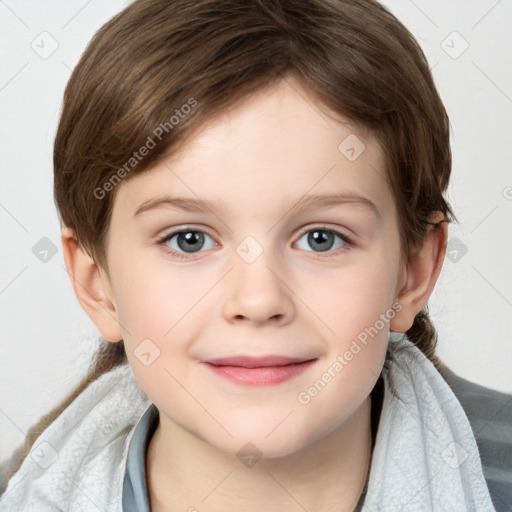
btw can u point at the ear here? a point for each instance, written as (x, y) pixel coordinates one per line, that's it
(421, 273)
(92, 287)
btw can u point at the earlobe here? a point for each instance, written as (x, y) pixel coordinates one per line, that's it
(421, 274)
(92, 287)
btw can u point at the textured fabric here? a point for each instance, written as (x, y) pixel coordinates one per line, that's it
(425, 456)
(490, 415)
(78, 463)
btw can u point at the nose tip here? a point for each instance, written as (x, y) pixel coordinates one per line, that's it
(257, 295)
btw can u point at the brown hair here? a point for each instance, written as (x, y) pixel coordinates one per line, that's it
(152, 59)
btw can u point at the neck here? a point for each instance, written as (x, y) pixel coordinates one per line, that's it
(184, 472)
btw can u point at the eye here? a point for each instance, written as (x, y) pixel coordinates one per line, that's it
(187, 241)
(323, 240)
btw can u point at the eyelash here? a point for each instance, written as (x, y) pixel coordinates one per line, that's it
(348, 241)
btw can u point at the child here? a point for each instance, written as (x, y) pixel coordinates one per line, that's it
(287, 362)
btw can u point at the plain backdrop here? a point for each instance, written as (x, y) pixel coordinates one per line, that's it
(47, 341)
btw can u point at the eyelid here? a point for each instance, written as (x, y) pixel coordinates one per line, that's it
(347, 240)
(183, 229)
(327, 227)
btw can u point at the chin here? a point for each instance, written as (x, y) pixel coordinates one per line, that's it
(253, 445)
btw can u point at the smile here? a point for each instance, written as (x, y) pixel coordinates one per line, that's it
(264, 371)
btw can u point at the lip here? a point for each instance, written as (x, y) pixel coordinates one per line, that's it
(259, 371)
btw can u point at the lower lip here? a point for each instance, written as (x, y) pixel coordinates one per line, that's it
(261, 376)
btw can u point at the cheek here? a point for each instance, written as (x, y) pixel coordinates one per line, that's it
(352, 298)
(161, 311)
(157, 328)
(355, 307)
(356, 311)
(154, 298)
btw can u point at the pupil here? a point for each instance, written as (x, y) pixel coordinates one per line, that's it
(321, 240)
(190, 241)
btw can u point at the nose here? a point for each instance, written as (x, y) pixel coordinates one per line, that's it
(257, 294)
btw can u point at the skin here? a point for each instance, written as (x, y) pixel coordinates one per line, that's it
(254, 163)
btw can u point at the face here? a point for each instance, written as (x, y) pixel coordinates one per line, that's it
(271, 233)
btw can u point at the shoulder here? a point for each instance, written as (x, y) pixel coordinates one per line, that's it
(82, 453)
(490, 415)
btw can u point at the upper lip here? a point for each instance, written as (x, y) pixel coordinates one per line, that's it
(255, 362)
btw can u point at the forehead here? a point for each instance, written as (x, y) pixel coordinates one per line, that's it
(275, 146)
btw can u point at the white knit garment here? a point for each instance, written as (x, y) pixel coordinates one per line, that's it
(425, 457)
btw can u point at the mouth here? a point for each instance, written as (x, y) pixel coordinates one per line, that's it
(259, 371)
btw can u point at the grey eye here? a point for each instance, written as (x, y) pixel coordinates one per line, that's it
(189, 241)
(321, 240)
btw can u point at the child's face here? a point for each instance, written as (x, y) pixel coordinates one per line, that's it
(256, 284)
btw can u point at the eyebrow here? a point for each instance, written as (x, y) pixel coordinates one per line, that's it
(329, 200)
(189, 204)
